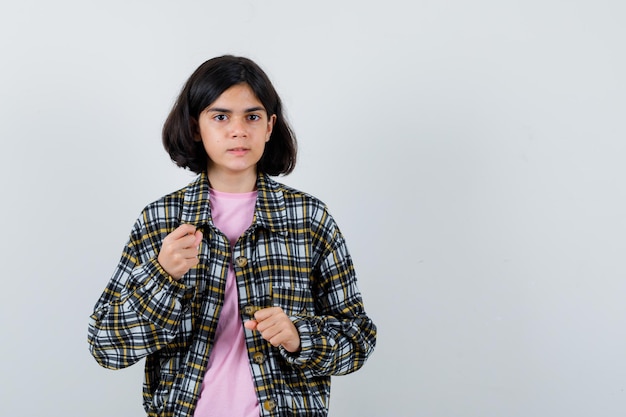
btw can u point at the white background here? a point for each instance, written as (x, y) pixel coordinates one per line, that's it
(472, 153)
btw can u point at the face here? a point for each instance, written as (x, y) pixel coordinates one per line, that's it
(234, 130)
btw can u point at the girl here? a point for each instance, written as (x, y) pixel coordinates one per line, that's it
(237, 290)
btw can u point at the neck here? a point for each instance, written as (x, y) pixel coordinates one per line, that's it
(236, 183)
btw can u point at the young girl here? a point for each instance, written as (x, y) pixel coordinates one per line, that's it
(237, 290)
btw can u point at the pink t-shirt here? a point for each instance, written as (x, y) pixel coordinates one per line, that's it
(228, 388)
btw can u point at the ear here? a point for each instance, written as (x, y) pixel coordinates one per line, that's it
(270, 127)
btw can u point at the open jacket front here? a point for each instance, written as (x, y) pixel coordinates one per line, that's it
(293, 256)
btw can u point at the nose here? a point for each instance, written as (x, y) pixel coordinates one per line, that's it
(238, 128)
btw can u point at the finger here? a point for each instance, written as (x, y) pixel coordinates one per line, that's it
(189, 253)
(250, 325)
(267, 324)
(278, 339)
(198, 235)
(266, 313)
(268, 333)
(285, 336)
(192, 242)
(182, 230)
(189, 242)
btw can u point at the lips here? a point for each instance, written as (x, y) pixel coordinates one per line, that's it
(238, 151)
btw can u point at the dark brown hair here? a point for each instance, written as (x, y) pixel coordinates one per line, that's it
(202, 88)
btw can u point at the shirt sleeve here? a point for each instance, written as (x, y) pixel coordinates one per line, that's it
(139, 311)
(340, 337)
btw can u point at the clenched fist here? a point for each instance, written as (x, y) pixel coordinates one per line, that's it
(179, 252)
(276, 327)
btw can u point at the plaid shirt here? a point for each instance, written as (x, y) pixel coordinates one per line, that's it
(293, 256)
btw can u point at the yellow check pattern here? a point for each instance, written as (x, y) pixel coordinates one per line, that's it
(293, 256)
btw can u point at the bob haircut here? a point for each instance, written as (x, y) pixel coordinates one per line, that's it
(203, 87)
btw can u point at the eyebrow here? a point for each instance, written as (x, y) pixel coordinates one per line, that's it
(249, 110)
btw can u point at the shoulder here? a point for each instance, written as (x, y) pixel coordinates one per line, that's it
(294, 198)
(168, 208)
(163, 205)
(294, 193)
(302, 206)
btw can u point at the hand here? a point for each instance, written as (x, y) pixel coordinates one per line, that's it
(276, 327)
(179, 252)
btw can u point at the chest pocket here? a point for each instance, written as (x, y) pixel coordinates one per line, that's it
(295, 301)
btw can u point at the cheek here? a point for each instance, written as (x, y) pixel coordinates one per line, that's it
(210, 145)
(208, 136)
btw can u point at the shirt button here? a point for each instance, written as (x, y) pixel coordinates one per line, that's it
(249, 310)
(269, 405)
(258, 358)
(241, 261)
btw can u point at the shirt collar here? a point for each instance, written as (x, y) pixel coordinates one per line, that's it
(270, 211)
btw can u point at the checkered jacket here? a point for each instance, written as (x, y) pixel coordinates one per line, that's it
(293, 256)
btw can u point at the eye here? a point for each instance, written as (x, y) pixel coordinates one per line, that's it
(220, 117)
(254, 117)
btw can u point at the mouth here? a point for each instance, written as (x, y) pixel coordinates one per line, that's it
(238, 151)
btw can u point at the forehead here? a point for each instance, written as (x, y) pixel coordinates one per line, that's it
(239, 96)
